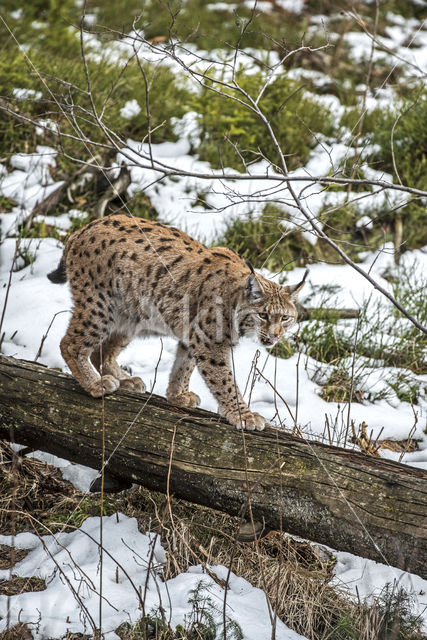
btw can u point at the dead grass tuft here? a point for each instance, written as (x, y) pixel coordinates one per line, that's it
(17, 585)
(339, 388)
(19, 632)
(32, 486)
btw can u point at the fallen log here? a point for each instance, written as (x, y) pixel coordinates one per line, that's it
(326, 313)
(350, 501)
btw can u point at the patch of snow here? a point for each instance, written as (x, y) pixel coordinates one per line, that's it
(30, 183)
(61, 222)
(293, 6)
(46, 123)
(259, 5)
(26, 94)
(365, 579)
(90, 18)
(364, 221)
(221, 6)
(131, 573)
(80, 476)
(130, 109)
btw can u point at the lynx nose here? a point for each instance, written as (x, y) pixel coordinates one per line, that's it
(275, 333)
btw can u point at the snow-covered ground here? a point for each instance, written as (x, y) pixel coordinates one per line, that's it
(130, 583)
(124, 574)
(37, 313)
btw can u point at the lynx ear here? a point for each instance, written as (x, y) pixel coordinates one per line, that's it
(253, 289)
(294, 289)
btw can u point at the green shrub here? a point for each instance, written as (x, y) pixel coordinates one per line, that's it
(353, 116)
(265, 242)
(398, 622)
(233, 135)
(200, 623)
(51, 64)
(410, 152)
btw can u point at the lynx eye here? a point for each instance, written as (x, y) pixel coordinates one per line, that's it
(263, 316)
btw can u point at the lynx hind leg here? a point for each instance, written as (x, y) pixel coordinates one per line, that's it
(177, 392)
(76, 351)
(108, 352)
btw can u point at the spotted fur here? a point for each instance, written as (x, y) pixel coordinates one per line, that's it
(132, 277)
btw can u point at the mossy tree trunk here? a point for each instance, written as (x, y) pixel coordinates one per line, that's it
(368, 506)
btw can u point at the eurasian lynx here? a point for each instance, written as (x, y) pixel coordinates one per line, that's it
(132, 277)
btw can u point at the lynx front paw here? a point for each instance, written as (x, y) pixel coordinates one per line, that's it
(103, 386)
(188, 399)
(246, 420)
(133, 384)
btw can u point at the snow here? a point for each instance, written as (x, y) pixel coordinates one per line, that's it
(293, 6)
(221, 6)
(412, 60)
(46, 123)
(16, 14)
(26, 94)
(365, 579)
(130, 109)
(28, 184)
(131, 572)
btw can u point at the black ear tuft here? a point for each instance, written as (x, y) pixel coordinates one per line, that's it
(253, 289)
(250, 266)
(295, 288)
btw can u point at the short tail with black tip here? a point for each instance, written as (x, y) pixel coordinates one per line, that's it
(59, 276)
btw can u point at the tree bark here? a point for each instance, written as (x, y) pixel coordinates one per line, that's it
(350, 501)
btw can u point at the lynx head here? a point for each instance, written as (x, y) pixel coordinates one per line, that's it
(270, 309)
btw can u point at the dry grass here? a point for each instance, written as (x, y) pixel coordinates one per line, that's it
(30, 486)
(17, 585)
(19, 632)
